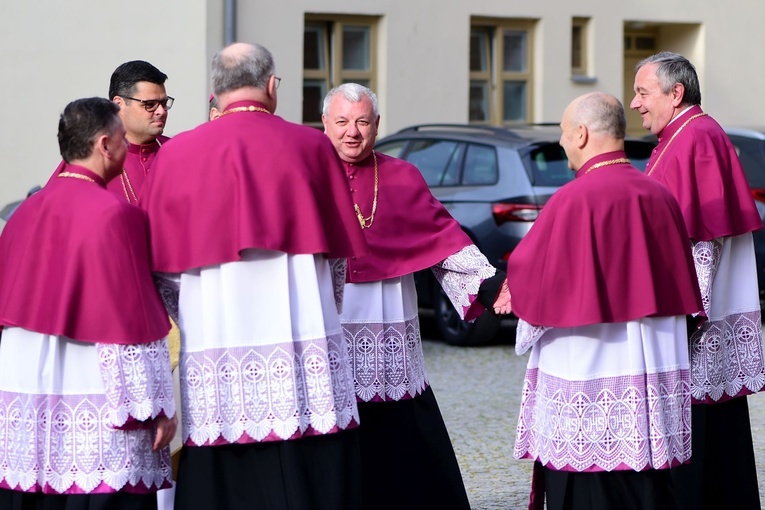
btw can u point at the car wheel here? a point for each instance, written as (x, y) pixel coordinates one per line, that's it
(455, 331)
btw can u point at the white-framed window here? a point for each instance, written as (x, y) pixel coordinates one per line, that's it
(580, 28)
(640, 42)
(336, 49)
(501, 74)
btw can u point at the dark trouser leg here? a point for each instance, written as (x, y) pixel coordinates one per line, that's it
(311, 473)
(722, 472)
(15, 500)
(622, 490)
(408, 462)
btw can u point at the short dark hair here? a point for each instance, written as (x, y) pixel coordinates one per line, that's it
(81, 122)
(128, 74)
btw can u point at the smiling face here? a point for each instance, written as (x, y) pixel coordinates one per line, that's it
(143, 126)
(656, 108)
(352, 127)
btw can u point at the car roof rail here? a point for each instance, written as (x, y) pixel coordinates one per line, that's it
(752, 132)
(466, 128)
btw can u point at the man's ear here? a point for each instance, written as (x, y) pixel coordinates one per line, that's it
(678, 94)
(102, 145)
(582, 134)
(271, 88)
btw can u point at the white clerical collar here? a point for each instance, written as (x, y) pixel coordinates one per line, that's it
(679, 115)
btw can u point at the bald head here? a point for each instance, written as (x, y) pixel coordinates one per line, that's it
(242, 71)
(238, 50)
(602, 114)
(592, 124)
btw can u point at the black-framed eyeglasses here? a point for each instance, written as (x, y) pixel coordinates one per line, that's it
(277, 81)
(152, 104)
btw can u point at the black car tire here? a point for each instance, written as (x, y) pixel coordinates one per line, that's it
(457, 332)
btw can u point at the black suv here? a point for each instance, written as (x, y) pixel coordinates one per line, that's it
(494, 182)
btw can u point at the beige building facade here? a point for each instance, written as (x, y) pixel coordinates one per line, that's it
(430, 61)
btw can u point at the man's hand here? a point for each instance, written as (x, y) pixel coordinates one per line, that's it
(164, 430)
(502, 305)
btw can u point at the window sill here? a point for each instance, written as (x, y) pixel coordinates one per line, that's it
(580, 78)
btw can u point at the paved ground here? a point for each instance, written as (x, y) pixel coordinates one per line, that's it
(478, 390)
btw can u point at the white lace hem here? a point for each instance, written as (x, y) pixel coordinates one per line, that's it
(461, 275)
(266, 393)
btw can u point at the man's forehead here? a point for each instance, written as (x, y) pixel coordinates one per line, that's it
(345, 108)
(149, 87)
(646, 79)
(647, 72)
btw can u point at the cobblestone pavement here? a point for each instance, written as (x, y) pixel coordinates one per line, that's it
(478, 391)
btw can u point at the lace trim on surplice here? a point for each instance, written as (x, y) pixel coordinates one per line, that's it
(267, 393)
(73, 444)
(726, 354)
(339, 268)
(623, 422)
(706, 258)
(726, 358)
(527, 335)
(461, 274)
(388, 362)
(137, 380)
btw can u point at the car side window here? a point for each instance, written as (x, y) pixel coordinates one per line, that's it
(550, 166)
(481, 165)
(393, 149)
(437, 160)
(751, 153)
(639, 152)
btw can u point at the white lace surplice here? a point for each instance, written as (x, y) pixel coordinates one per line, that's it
(726, 352)
(461, 275)
(62, 404)
(607, 396)
(262, 353)
(383, 331)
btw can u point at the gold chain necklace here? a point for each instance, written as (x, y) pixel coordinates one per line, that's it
(371, 218)
(673, 137)
(606, 163)
(76, 176)
(126, 180)
(245, 109)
